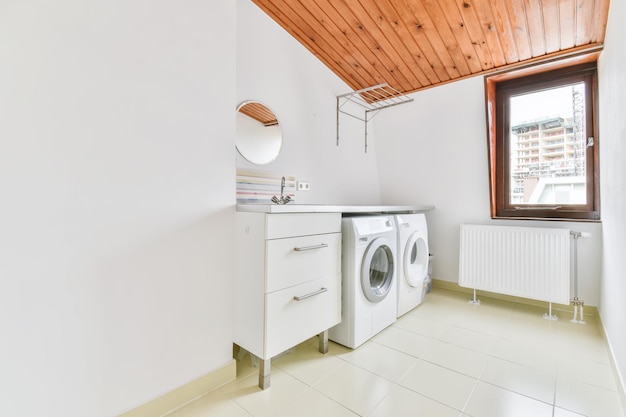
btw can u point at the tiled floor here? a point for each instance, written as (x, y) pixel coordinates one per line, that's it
(445, 358)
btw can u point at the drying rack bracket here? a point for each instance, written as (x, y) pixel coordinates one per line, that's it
(365, 104)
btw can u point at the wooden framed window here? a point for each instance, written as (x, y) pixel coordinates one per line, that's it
(543, 144)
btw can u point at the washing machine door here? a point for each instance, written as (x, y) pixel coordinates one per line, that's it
(377, 270)
(415, 259)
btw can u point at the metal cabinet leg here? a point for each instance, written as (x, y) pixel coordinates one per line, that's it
(264, 373)
(323, 342)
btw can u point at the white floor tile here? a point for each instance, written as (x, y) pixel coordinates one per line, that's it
(445, 358)
(314, 404)
(355, 388)
(470, 339)
(577, 346)
(263, 403)
(383, 361)
(440, 384)
(439, 310)
(590, 330)
(592, 373)
(528, 353)
(486, 321)
(307, 364)
(560, 412)
(404, 341)
(456, 358)
(420, 325)
(535, 328)
(402, 402)
(520, 379)
(491, 401)
(587, 399)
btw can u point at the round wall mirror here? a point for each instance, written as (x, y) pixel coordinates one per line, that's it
(259, 136)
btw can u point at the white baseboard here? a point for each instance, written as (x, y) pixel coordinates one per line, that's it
(182, 395)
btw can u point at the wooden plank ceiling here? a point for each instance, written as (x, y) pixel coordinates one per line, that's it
(417, 44)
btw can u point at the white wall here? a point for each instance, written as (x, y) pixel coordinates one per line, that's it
(434, 151)
(117, 171)
(272, 67)
(612, 79)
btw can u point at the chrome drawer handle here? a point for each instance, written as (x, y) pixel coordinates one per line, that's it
(302, 297)
(303, 248)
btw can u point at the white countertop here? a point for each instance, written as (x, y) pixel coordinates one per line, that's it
(328, 208)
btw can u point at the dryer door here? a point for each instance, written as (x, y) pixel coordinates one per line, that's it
(415, 259)
(377, 270)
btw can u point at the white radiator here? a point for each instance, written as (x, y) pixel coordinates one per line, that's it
(520, 261)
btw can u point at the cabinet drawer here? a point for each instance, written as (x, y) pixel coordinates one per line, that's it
(290, 321)
(301, 259)
(301, 224)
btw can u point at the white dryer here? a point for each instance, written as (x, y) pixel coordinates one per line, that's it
(369, 289)
(412, 260)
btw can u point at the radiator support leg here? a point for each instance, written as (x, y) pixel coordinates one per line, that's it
(474, 300)
(549, 315)
(582, 320)
(575, 319)
(578, 303)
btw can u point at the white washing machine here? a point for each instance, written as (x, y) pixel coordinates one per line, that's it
(369, 291)
(412, 260)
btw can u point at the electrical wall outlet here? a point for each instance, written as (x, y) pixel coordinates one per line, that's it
(303, 186)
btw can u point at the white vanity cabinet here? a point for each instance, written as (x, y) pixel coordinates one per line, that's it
(288, 282)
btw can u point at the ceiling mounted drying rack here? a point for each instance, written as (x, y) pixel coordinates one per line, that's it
(371, 100)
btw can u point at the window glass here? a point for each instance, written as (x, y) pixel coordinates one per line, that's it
(547, 149)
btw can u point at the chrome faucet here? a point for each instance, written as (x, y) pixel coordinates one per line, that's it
(284, 199)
